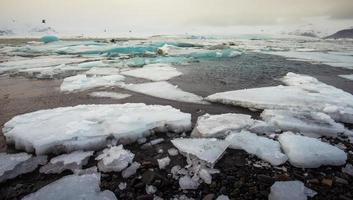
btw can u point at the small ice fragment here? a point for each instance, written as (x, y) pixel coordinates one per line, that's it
(156, 141)
(264, 148)
(205, 176)
(122, 186)
(290, 190)
(348, 169)
(131, 170)
(154, 72)
(102, 71)
(150, 189)
(114, 159)
(72, 161)
(220, 125)
(222, 197)
(91, 170)
(141, 140)
(113, 95)
(207, 149)
(73, 187)
(349, 76)
(308, 152)
(163, 163)
(187, 183)
(13, 165)
(173, 151)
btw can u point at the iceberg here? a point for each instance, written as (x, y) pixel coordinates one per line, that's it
(305, 152)
(83, 82)
(114, 159)
(113, 95)
(154, 72)
(305, 122)
(49, 38)
(72, 161)
(165, 90)
(13, 165)
(73, 187)
(220, 125)
(206, 149)
(290, 190)
(264, 148)
(88, 127)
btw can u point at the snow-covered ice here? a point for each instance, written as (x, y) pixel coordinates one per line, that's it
(88, 126)
(154, 72)
(302, 93)
(264, 148)
(114, 159)
(308, 152)
(305, 122)
(113, 95)
(290, 190)
(83, 82)
(13, 165)
(73, 187)
(165, 90)
(163, 162)
(207, 149)
(72, 161)
(220, 125)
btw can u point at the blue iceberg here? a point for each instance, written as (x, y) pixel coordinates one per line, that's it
(49, 38)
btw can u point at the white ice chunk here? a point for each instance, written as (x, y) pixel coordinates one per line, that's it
(187, 183)
(205, 176)
(222, 197)
(13, 165)
(349, 77)
(150, 189)
(264, 148)
(83, 82)
(154, 72)
(113, 95)
(173, 151)
(163, 162)
(103, 71)
(165, 90)
(122, 186)
(73, 187)
(209, 150)
(115, 159)
(290, 190)
(305, 122)
(131, 170)
(88, 126)
(308, 152)
(72, 161)
(348, 169)
(220, 125)
(302, 93)
(49, 72)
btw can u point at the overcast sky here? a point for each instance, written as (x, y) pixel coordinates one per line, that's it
(85, 15)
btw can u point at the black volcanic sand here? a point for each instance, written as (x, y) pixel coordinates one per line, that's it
(239, 178)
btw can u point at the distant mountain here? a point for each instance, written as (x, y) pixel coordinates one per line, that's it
(346, 33)
(305, 33)
(5, 32)
(41, 29)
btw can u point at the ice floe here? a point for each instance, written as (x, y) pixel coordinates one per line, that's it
(102, 71)
(220, 125)
(264, 148)
(13, 165)
(73, 187)
(305, 122)
(114, 159)
(72, 161)
(113, 95)
(60, 71)
(302, 93)
(88, 126)
(83, 82)
(206, 149)
(308, 152)
(349, 77)
(154, 72)
(165, 90)
(290, 190)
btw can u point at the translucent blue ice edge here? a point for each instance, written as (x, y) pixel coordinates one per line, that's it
(49, 38)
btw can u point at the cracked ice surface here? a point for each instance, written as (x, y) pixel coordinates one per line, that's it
(83, 82)
(290, 190)
(72, 161)
(264, 148)
(13, 165)
(308, 152)
(165, 90)
(206, 149)
(308, 123)
(88, 126)
(73, 187)
(154, 72)
(220, 125)
(302, 92)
